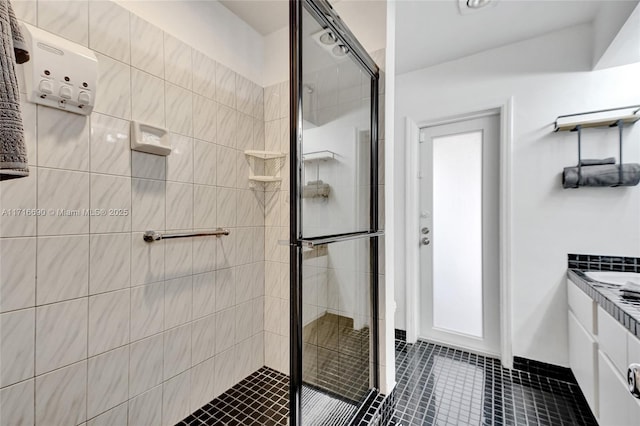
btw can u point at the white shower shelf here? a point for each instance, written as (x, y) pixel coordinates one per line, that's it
(265, 155)
(318, 156)
(603, 118)
(265, 179)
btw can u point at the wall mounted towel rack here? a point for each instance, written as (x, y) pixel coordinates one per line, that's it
(151, 236)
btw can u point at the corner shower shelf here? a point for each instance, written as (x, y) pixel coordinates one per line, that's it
(265, 179)
(266, 164)
(602, 118)
(318, 156)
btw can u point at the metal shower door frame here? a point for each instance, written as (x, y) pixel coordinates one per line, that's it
(324, 14)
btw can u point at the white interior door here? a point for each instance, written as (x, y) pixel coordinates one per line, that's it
(459, 223)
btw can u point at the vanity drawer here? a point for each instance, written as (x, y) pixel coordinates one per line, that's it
(612, 337)
(583, 360)
(583, 307)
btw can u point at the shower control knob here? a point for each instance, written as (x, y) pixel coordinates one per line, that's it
(425, 241)
(425, 230)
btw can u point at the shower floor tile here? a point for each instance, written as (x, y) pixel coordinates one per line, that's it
(437, 385)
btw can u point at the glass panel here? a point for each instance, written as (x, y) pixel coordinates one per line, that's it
(457, 233)
(336, 106)
(337, 331)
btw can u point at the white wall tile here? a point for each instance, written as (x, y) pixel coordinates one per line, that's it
(110, 204)
(204, 162)
(17, 334)
(205, 112)
(203, 339)
(178, 302)
(227, 126)
(205, 207)
(26, 10)
(244, 132)
(107, 381)
(147, 260)
(19, 194)
(226, 167)
(145, 365)
(108, 321)
(63, 139)
(244, 245)
(146, 409)
(180, 163)
(179, 104)
(110, 260)
(147, 98)
(17, 273)
(62, 268)
(148, 204)
(258, 102)
(109, 30)
(225, 288)
(244, 95)
(177, 62)
(59, 189)
(225, 330)
(66, 18)
(148, 166)
(204, 254)
(226, 250)
(244, 321)
(20, 397)
(176, 399)
(147, 46)
(61, 396)
(202, 384)
(204, 75)
(178, 258)
(61, 334)
(272, 135)
(226, 207)
(115, 416)
(225, 86)
(225, 370)
(258, 350)
(110, 145)
(177, 351)
(147, 310)
(179, 205)
(245, 358)
(272, 102)
(113, 95)
(204, 294)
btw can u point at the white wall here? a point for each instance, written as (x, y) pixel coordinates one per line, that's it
(276, 53)
(607, 24)
(547, 76)
(209, 27)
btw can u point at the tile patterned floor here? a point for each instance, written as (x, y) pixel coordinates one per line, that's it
(437, 385)
(443, 386)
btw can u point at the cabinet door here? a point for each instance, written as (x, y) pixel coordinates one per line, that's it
(583, 361)
(616, 402)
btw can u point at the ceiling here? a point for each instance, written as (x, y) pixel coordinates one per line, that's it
(434, 31)
(265, 16)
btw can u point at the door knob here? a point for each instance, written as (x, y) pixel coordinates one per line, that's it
(425, 241)
(425, 230)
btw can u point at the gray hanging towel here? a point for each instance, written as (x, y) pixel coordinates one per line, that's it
(13, 49)
(601, 175)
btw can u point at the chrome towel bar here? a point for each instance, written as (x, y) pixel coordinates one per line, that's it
(151, 236)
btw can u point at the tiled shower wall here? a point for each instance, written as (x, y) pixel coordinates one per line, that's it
(98, 326)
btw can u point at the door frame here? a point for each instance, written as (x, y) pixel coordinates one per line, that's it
(411, 232)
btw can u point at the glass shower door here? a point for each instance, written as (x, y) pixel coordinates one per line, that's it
(334, 228)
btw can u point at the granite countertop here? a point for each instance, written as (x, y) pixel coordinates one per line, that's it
(626, 311)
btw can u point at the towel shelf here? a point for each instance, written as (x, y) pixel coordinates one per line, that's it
(151, 236)
(602, 118)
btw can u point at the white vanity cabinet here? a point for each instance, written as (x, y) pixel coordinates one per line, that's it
(600, 350)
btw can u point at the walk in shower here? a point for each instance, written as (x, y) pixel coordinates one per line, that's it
(333, 218)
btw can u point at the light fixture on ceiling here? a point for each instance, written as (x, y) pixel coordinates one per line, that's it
(477, 4)
(330, 42)
(467, 7)
(340, 50)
